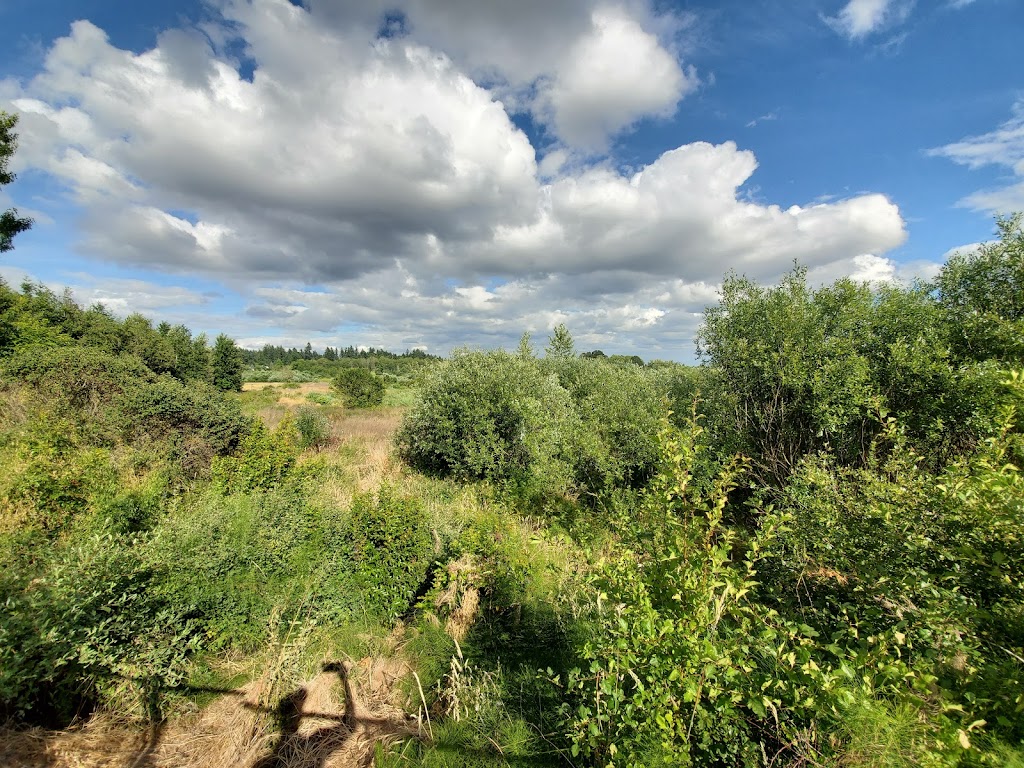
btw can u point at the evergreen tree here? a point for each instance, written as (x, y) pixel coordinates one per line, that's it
(226, 365)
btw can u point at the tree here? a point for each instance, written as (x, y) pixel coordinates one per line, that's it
(226, 365)
(982, 294)
(525, 346)
(10, 223)
(360, 387)
(560, 343)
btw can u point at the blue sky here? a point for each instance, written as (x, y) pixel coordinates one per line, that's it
(436, 173)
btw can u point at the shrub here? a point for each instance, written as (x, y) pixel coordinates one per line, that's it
(87, 626)
(83, 378)
(981, 294)
(263, 460)
(169, 409)
(492, 416)
(314, 428)
(360, 387)
(621, 409)
(391, 549)
(57, 485)
(236, 558)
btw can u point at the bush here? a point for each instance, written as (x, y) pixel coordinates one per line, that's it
(392, 551)
(85, 379)
(236, 558)
(982, 295)
(168, 409)
(88, 626)
(493, 416)
(314, 428)
(263, 460)
(621, 409)
(360, 387)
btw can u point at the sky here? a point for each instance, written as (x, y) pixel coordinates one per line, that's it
(443, 173)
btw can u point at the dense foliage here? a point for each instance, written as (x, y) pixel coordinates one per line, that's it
(556, 425)
(360, 387)
(851, 593)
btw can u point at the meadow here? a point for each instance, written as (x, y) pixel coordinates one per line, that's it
(806, 551)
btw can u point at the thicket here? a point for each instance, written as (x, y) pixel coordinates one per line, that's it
(545, 427)
(829, 571)
(823, 563)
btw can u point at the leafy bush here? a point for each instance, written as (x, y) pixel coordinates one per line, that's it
(492, 416)
(360, 387)
(314, 428)
(168, 409)
(391, 549)
(981, 293)
(56, 485)
(85, 379)
(621, 409)
(801, 371)
(791, 358)
(263, 460)
(88, 626)
(237, 558)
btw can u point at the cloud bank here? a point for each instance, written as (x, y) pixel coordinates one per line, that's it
(356, 172)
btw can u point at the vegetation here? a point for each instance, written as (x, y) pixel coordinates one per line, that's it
(10, 223)
(806, 551)
(360, 388)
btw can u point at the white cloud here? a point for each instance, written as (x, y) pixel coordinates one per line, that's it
(587, 68)
(383, 173)
(1002, 147)
(610, 78)
(860, 18)
(763, 119)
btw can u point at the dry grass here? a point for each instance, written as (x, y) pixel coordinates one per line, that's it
(334, 720)
(289, 394)
(364, 456)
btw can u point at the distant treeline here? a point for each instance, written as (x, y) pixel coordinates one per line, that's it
(272, 354)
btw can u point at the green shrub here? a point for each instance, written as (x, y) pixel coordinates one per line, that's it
(82, 378)
(360, 387)
(263, 460)
(392, 551)
(621, 409)
(236, 558)
(167, 409)
(493, 416)
(86, 627)
(981, 295)
(56, 485)
(314, 428)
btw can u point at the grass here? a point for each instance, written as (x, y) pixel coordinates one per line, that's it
(406, 666)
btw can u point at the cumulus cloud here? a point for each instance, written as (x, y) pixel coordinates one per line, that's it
(1003, 147)
(860, 18)
(587, 69)
(388, 173)
(611, 77)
